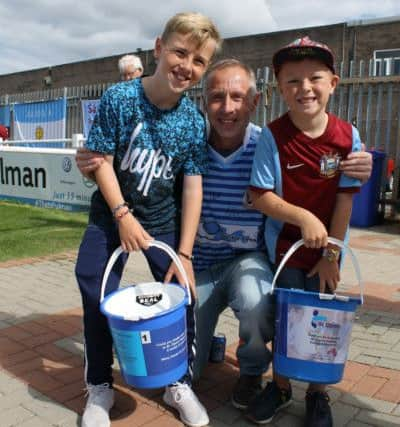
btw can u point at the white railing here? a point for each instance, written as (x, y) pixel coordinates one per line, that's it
(76, 141)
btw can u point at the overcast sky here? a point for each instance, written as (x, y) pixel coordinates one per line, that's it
(42, 33)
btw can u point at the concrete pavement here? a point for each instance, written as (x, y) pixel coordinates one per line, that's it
(41, 350)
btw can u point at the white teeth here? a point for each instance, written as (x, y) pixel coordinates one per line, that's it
(306, 100)
(180, 77)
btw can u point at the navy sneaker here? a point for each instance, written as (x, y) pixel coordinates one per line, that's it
(318, 411)
(264, 406)
(246, 389)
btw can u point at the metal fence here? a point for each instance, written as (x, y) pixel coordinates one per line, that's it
(372, 103)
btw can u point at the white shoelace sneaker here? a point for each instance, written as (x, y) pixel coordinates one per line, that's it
(181, 397)
(100, 401)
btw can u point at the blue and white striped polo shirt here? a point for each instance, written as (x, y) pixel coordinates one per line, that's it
(227, 228)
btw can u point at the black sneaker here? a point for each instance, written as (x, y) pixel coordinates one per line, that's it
(318, 411)
(271, 400)
(245, 390)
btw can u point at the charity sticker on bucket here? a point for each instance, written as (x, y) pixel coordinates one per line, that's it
(313, 330)
(148, 326)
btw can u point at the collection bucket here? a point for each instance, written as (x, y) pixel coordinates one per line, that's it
(148, 327)
(313, 330)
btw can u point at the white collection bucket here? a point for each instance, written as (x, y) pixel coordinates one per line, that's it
(148, 326)
(313, 330)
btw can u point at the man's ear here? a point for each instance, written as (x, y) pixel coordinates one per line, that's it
(256, 100)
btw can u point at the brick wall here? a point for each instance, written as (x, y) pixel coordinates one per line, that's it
(376, 37)
(257, 50)
(346, 40)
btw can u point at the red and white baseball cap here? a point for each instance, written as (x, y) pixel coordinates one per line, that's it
(303, 48)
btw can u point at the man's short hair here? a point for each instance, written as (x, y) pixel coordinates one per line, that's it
(201, 28)
(129, 60)
(230, 63)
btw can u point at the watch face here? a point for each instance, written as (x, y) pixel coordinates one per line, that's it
(331, 254)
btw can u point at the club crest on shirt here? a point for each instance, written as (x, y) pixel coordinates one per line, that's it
(329, 165)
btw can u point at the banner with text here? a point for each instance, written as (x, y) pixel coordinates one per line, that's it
(89, 110)
(40, 120)
(44, 177)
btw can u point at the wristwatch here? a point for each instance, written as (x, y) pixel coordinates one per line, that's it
(331, 254)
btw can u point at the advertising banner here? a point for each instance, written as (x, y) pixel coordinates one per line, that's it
(44, 178)
(40, 120)
(89, 110)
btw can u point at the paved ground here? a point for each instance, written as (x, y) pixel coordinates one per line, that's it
(41, 349)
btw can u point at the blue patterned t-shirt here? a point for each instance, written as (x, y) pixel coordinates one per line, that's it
(152, 148)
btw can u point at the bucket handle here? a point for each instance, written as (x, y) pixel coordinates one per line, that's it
(337, 242)
(156, 243)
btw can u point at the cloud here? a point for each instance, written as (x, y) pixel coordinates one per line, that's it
(306, 13)
(47, 32)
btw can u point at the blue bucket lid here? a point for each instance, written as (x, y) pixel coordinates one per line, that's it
(331, 301)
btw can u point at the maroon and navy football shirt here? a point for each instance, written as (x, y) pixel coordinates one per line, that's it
(303, 171)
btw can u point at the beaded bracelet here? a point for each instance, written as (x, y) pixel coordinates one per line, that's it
(117, 217)
(117, 208)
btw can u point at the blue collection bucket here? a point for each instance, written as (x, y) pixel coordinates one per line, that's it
(148, 327)
(313, 330)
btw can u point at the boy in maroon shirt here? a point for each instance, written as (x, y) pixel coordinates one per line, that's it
(296, 182)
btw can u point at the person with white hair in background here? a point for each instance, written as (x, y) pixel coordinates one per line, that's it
(130, 67)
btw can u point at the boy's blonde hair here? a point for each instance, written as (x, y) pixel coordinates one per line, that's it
(201, 28)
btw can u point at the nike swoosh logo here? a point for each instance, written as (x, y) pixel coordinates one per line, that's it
(289, 166)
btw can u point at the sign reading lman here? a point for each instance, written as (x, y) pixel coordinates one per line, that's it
(43, 177)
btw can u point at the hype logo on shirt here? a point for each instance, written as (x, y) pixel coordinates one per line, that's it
(148, 163)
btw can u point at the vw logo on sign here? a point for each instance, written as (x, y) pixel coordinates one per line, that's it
(66, 164)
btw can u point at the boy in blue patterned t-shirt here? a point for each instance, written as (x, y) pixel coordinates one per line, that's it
(150, 135)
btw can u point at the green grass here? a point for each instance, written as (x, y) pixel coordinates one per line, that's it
(27, 231)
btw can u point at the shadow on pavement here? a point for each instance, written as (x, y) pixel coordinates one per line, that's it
(46, 353)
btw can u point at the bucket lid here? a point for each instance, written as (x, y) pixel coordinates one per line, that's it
(143, 301)
(318, 296)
